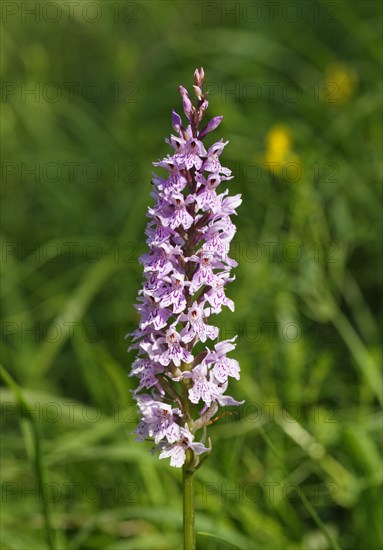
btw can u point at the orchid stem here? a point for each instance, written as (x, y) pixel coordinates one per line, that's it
(188, 505)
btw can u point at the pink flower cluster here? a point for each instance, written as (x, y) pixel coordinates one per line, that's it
(182, 382)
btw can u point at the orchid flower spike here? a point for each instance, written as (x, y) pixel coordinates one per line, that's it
(181, 388)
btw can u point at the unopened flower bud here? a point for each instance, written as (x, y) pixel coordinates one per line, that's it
(199, 76)
(187, 104)
(176, 121)
(198, 92)
(211, 125)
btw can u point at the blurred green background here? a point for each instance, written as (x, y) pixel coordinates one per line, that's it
(87, 93)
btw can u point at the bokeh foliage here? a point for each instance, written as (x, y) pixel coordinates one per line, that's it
(298, 87)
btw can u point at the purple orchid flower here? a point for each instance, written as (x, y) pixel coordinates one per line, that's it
(186, 271)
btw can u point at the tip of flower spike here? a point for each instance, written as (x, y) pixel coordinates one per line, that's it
(199, 76)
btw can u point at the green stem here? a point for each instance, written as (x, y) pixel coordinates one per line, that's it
(188, 504)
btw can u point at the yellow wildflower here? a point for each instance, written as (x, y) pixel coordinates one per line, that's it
(279, 156)
(340, 82)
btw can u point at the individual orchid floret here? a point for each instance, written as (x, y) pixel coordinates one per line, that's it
(212, 163)
(152, 313)
(223, 365)
(195, 326)
(202, 387)
(186, 272)
(177, 451)
(193, 155)
(173, 293)
(217, 298)
(158, 420)
(175, 351)
(204, 274)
